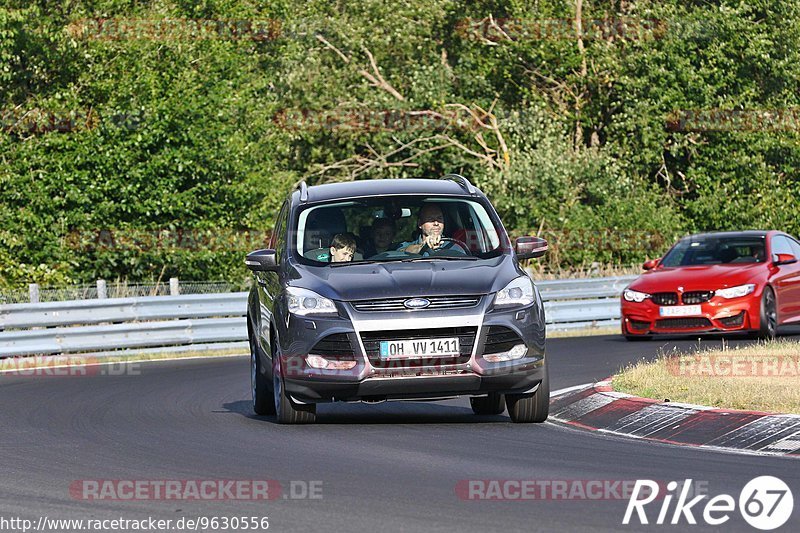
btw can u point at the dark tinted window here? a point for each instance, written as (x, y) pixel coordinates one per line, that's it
(716, 250)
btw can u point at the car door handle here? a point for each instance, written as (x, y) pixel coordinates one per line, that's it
(262, 283)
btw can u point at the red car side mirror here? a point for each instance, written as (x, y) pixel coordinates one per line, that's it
(650, 264)
(784, 259)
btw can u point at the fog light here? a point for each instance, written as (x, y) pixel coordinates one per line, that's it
(315, 361)
(516, 352)
(319, 362)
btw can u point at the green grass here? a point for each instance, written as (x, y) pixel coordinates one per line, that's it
(759, 377)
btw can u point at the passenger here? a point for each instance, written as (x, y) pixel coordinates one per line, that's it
(343, 246)
(430, 222)
(382, 237)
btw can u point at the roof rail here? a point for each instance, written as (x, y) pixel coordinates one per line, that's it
(303, 191)
(461, 180)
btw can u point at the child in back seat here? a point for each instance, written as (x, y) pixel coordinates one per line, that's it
(343, 246)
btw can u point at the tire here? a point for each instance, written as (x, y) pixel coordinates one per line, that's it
(768, 321)
(526, 408)
(286, 410)
(493, 404)
(260, 388)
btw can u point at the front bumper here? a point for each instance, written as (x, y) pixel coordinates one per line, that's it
(432, 386)
(373, 379)
(716, 315)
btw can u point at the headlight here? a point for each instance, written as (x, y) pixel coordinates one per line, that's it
(304, 302)
(518, 292)
(736, 292)
(635, 296)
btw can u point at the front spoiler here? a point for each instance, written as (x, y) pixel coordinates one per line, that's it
(432, 386)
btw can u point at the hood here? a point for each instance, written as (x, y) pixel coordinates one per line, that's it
(697, 278)
(399, 280)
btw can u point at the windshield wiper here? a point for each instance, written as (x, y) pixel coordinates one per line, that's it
(359, 262)
(443, 257)
(406, 260)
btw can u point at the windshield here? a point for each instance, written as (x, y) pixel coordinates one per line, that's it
(720, 250)
(402, 228)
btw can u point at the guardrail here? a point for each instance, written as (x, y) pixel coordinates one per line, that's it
(582, 303)
(200, 319)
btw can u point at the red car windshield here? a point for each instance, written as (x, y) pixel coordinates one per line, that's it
(716, 251)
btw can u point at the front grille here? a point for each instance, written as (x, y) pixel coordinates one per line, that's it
(436, 302)
(665, 298)
(500, 339)
(696, 297)
(337, 345)
(639, 325)
(733, 321)
(372, 345)
(683, 323)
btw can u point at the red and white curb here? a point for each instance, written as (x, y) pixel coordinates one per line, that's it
(598, 407)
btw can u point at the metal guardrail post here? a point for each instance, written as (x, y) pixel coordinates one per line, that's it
(102, 290)
(174, 287)
(33, 293)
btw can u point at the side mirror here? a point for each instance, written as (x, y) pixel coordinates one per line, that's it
(784, 259)
(262, 261)
(530, 247)
(650, 264)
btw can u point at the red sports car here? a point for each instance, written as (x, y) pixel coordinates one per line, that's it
(725, 281)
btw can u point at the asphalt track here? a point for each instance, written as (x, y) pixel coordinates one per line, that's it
(383, 467)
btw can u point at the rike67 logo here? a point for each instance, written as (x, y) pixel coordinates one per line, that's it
(765, 503)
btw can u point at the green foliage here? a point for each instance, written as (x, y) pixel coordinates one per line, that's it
(182, 136)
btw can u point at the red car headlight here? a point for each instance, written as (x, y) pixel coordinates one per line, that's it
(635, 296)
(736, 292)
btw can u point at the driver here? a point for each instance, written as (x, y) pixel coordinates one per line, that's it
(430, 222)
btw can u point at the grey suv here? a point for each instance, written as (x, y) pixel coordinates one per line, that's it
(395, 290)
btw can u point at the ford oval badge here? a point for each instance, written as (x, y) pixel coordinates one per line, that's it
(417, 303)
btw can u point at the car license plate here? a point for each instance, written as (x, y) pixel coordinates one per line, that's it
(681, 310)
(420, 348)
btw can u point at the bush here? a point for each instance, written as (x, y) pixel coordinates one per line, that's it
(141, 137)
